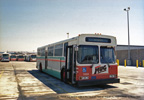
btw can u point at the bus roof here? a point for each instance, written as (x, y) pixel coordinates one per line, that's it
(75, 38)
(70, 39)
(5, 53)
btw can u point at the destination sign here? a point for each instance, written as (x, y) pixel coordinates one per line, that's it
(98, 39)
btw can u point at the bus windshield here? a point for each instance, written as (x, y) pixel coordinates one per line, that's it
(33, 56)
(5, 55)
(20, 56)
(107, 55)
(88, 54)
(13, 56)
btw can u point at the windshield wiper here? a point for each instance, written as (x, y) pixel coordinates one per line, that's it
(107, 63)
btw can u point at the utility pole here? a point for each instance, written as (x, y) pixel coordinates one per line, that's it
(129, 56)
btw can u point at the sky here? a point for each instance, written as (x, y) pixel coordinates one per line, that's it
(26, 25)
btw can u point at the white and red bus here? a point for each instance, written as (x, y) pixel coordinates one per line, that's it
(88, 59)
(5, 57)
(13, 58)
(31, 58)
(20, 58)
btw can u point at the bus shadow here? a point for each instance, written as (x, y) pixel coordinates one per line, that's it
(60, 87)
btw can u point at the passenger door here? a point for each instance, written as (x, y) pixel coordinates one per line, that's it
(70, 63)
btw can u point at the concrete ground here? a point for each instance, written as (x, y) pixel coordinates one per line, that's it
(22, 81)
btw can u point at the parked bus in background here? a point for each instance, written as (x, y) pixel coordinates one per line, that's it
(25, 57)
(0, 57)
(31, 58)
(20, 58)
(5, 57)
(13, 58)
(88, 59)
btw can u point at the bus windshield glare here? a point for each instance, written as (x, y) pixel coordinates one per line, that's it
(20, 56)
(107, 55)
(5, 55)
(88, 54)
(13, 56)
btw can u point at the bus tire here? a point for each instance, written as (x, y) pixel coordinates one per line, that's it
(40, 67)
(63, 75)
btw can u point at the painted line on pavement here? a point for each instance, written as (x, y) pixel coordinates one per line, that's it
(46, 92)
(9, 94)
(1, 73)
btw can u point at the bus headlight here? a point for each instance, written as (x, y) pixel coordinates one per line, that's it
(84, 77)
(112, 76)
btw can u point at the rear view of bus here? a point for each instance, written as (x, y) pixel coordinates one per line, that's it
(5, 57)
(33, 58)
(20, 58)
(13, 58)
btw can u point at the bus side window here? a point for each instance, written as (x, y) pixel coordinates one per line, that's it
(38, 52)
(50, 51)
(65, 45)
(58, 50)
(42, 52)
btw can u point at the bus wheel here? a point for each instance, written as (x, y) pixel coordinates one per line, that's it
(40, 68)
(63, 75)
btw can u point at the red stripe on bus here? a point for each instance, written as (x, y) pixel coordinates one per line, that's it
(56, 60)
(20, 59)
(13, 59)
(40, 59)
(53, 60)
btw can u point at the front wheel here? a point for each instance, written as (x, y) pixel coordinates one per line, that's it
(40, 68)
(63, 75)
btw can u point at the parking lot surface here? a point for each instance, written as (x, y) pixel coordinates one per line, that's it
(22, 81)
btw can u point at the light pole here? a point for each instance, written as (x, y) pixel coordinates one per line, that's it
(129, 60)
(67, 35)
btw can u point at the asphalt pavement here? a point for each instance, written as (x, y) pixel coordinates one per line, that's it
(22, 81)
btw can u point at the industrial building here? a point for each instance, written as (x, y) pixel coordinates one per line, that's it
(136, 53)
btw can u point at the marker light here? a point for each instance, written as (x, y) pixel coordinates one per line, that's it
(112, 76)
(84, 77)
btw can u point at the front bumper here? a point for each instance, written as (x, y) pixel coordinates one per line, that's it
(98, 82)
(5, 60)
